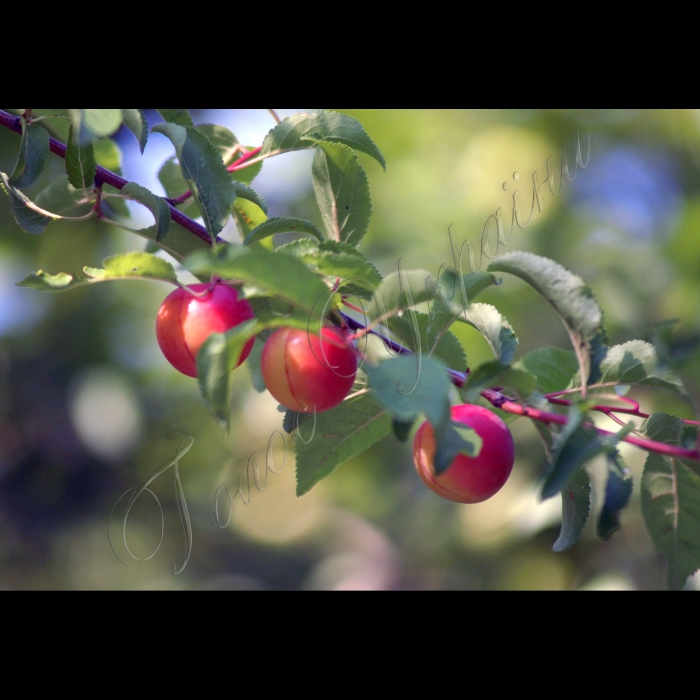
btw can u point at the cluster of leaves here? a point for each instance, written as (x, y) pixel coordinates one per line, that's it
(303, 283)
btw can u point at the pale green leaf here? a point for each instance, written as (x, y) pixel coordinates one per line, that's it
(494, 327)
(553, 368)
(282, 224)
(24, 210)
(135, 122)
(156, 205)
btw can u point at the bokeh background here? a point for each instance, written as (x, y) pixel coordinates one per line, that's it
(88, 405)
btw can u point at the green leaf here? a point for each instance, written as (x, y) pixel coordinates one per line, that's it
(253, 363)
(618, 491)
(204, 172)
(670, 503)
(223, 140)
(448, 348)
(494, 327)
(217, 357)
(80, 164)
(289, 134)
(411, 385)
(33, 153)
(342, 192)
(176, 116)
(135, 122)
(248, 217)
(281, 224)
(137, 265)
(459, 291)
(108, 155)
(553, 368)
(156, 205)
(576, 505)
(24, 210)
(341, 433)
(636, 362)
(454, 438)
(570, 297)
(265, 274)
(332, 259)
(245, 192)
(496, 373)
(90, 124)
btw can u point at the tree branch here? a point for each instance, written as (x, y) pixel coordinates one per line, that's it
(108, 177)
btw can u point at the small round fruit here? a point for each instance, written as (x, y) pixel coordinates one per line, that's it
(468, 479)
(184, 322)
(304, 373)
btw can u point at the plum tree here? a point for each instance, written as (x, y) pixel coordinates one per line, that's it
(305, 372)
(468, 479)
(185, 321)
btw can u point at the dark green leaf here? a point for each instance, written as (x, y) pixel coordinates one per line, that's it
(568, 294)
(23, 209)
(576, 505)
(135, 122)
(90, 124)
(156, 205)
(670, 503)
(341, 433)
(411, 385)
(289, 134)
(245, 192)
(342, 192)
(636, 362)
(80, 164)
(293, 419)
(204, 172)
(265, 274)
(448, 348)
(33, 152)
(176, 116)
(494, 327)
(496, 373)
(452, 439)
(617, 495)
(334, 260)
(553, 368)
(281, 224)
(402, 431)
(253, 363)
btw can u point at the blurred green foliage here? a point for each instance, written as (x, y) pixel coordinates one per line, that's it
(88, 406)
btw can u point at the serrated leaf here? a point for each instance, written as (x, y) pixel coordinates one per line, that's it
(341, 433)
(137, 265)
(458, 291)
(497, 373)
(576, 505)
(636, 362)
(265, 274)
(176, 116)
(570, 297)
(281, 224)
(342, 192)
(494, 327)
(80, 163)
(135, 121)
(23, 209)
(448, 348)
(670, 503)
(248, 217)
(223, 140)
(289, 134)
(32, 156)
(618, 491)
(553, 368)
(293, 419)
(245, 192)
(90, 124)
(156, 205)
(333, 259)
(205, 173)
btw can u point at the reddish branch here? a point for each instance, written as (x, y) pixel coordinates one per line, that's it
(500, 400)
(103, 176)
